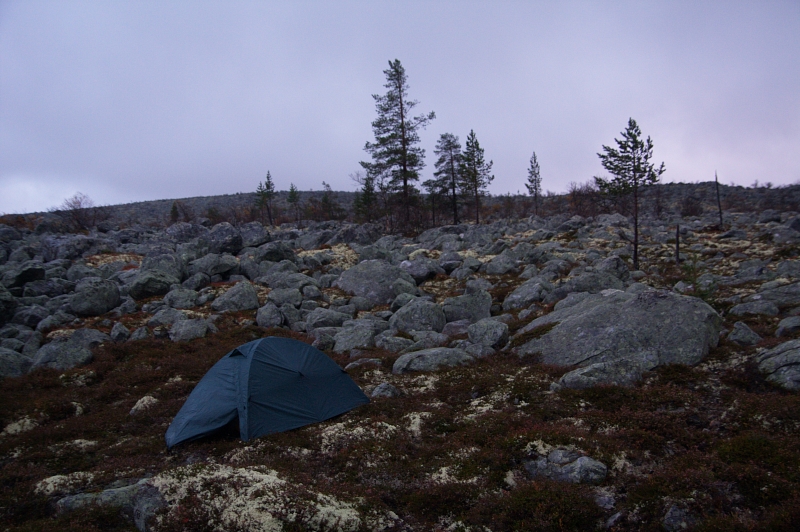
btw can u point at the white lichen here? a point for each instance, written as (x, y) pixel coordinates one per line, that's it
(21, 425)
(143, 404)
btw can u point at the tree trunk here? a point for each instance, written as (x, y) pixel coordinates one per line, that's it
(719, 203)
(635, 227)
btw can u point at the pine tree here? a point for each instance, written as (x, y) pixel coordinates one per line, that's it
(630, 166)
(435, 191)
(395, 151)
(173, 213)
(265, 193)
(534, 184)
(294, 201)
(474, 173)
(448, 148)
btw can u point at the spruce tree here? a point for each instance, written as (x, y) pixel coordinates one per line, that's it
(474, 173)
(534, 184)
(294, 201)
(395, 152)
(448, 148)
(265, 193)
(629, 164)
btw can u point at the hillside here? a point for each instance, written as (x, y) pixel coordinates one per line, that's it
(522, 375)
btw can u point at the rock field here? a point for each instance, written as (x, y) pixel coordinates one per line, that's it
(522, 375)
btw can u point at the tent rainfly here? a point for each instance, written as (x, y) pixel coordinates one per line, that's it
(271, 385)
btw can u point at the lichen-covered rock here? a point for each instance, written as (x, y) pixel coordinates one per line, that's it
(13, 363)
(474, 307)
(755, 308)
(223, 238)
(94, 296)
(743, 335)
(567, 466)
(242, 296)
(418, 315)
(619, 326)
(781, 364)
(421, 268)
(151, 283)
(269, 316)
(185, 330)
(372, 279)
(488, 332)
(322, 317)
(526, 294)
(181, 298)
(431, 359)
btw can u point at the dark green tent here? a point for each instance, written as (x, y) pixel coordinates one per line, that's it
(271, 385)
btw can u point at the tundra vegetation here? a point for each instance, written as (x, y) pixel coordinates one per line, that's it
(523, 375)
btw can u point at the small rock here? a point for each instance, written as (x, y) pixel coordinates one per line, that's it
(385, 389)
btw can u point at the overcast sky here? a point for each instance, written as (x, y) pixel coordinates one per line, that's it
(139, 100)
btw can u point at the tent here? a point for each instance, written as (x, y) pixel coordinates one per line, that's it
(271, 385)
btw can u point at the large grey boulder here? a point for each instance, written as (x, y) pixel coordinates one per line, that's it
(13, 364)
(242, 296)
(418, 315)
(166, 316)
(151, 283)
(526, 294)
(94, 296)
(473, 307)
(782, 296)
(567, 466)
(614, 266)
(213, 264)
(743, 335)
(283, 296)
(781, 364)
(501, 264)
(592, 282)
(358, 334)
(372, 279)
(66, 353)
(488, 332)
(431, 359)
(181, 298)
(625, 371)
(30, 315)
(185, 330)
(788, 326)
(421, 268)
(616, 326)
(323, 317)
(254, 234)
(275, 252)
(184, 232)
(223, 238)
(297, 281)
(269, 316)
(169, 263)
(760, 307)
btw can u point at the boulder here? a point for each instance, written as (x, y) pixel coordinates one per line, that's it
(120, 333)
(473, 307)
(501, 264)
(166, 316)
(592, 282)
(223, 238)
(213, 264)
(567, 466)
(614, 266)
(631, 329)
(181, 298)
(151, 283)
(185, 330)
(184, 232)
(30, 316)
(372, 279)
(619, 372)
(488, 332)
(755, 308)
(276, 252)
(269, 316)
(743, 335)
(782, 296)
(242, 296)
(781, 364)
(322, 317)
(418, 315)
(421, 268)
(169, 263)
(385, 389)
(393, 344)
(197, 281)
(431, 359)
(94, 296)
(358, 334)
(788, 326)
(62, 354)
(283, 296)
(253, 234)
(526, 294)
(13, 363)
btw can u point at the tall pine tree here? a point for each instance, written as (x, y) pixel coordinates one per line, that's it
(534, 183)
(474, 173)
(448, 148)
(629, 164)
(395, 152)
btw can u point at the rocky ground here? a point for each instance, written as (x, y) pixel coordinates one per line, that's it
(523, 376)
